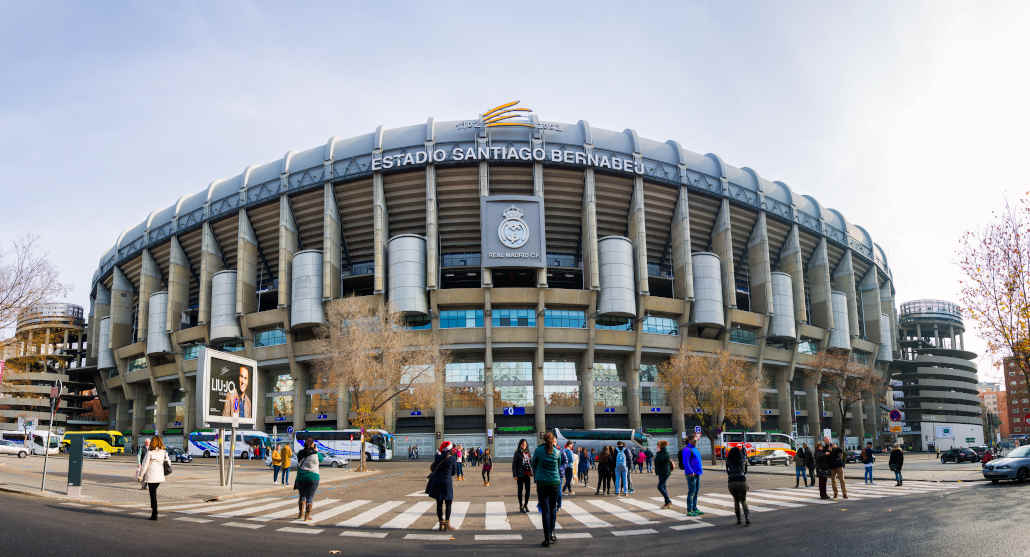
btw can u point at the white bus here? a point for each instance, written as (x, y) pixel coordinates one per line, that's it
(248, 444)
(347, 443)
(754, 442)
(35, 441)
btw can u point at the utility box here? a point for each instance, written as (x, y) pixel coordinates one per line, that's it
(75, 466)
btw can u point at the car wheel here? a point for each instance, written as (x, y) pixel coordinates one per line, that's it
(244, 455)
(22, 454)
(994, 481)
(207, 454)
(336, 464)
(1022, 475)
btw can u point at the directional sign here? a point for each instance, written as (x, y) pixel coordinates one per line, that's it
(697, 429)
(514, 410)
(289, 429)
(655, 409)
(609, 409)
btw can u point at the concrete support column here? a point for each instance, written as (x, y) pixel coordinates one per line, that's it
(332, 244)
(162, 396)
(887, 307)
(101, 309)
(784, 396)
(588, 241)
(871, 306)
(837, 418)
(380, 233)
(122, 293)
(632, 378)
(432, 231)
(488, 360)
(819, 282)
(638, 234)
(149, 282)
(484, 190)
(856, 423)
(682, 265)
(539, 396)
(586, 371)
(210, 263)
(301, 382)
(961, 341)
(246, 266)
(755, 404)
(123, 420)
(812, 402)
(722, 245)
(178, 285)
(139, 414)
(791, 263)
(189, 409)
(289, 243)
(342, 406)
(871, 408)
(538, 190)
(759, 267)
(439, 374)
(844, 280)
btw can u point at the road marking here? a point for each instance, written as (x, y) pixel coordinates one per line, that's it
(582, 515)
(681, 502)
(758, 498)
(139, 514)
(727, 501)
(243, 525)
(429, 537)
(690, 526)
(538, 523)
(634, 532)
(364, 534)
(417, 494)
(575, 535)
(652, 508)
(497, 537)
(252, 510)
(370, 514)
(496, 518)
(799, 498)
(292, 530)
(289, 511)
(227, 506)
(189, 506)
(74, 505)
(458, 510)
(614, 510)
(409, 515)
(333, 511)
(192, 519)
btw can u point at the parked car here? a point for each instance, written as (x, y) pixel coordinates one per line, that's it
(770, 457)
(1014, 466)
(335, 461)
(90, 451)
(852, 456)
(10, 447)
(979, 450)
(178, 455)
(959, 455)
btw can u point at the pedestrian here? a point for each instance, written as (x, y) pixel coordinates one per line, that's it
(622, 463)
(141, 457)
(801, 464)
(488, 464)
(566, 467)
(641, 459)
(522, 471)
(584, 467)
(809, 462)
(987, 457)
(836, 461)
(663, 468)
(897, 460)
(155, 466)
(650, 459)
(690, 463)
(277, 464)
(287, 458)
(441, 482)
(736, 476)
(307, 478)
(822, 468)
(603, 479)
(630, 459)
(867, 460)
(546, 459)
(593, 459)
(459, 457)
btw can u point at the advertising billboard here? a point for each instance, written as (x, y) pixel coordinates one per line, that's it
(226, 388)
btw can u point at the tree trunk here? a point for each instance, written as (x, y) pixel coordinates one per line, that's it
(843, 425)
(711, 442)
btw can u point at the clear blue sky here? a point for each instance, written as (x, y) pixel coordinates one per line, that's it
(909, 117)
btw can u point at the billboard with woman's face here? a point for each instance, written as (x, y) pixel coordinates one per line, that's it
(226, 388)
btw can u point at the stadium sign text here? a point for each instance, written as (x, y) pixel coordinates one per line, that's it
(505, 153)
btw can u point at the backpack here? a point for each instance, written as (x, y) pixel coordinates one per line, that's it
(620, 458)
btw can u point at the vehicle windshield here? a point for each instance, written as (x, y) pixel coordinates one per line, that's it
(119, 441)
(1021, 452)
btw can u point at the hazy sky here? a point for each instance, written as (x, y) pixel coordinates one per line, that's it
(908, 117)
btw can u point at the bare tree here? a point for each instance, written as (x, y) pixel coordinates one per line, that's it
(850, 382)
(717, 388)
(27, 278)
(372, 356)
(995, 262)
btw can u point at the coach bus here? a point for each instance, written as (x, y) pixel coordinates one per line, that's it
(754, 442)
(35, 441)
(347, 443)
(248, 443)
(110, 441)
(597, 439)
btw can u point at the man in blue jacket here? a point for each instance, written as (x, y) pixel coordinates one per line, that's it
(690, 461)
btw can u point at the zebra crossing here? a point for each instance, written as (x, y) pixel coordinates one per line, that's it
(500, 520)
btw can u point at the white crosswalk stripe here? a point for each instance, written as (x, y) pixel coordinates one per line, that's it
(370, 514)
(496, 517)
(627, 515)
(189, 506)
(797, 498)
(333, 511)
(408, 516)
(287, 512)
(752, 496)
(582, 516)
(458, 511)
(227, 506)
(634, 532)
(538, 522)
(657, 509)
(194, 519)
(681, 502)
(727, 501)
(251, 510)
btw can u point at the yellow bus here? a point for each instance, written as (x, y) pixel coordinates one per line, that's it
(110, 441)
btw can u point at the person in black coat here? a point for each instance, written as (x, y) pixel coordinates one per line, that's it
(522, 471)
(801, 466)
(822, 468)
(897, 460)
(441, 483)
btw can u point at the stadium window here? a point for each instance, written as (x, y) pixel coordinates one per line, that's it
(740, 335)
(270, 337)
(417, 323)
(461, 318)
(191, 351)
(615, 324)
(808, 346)
(138, 363)
(661, 325)
(512, 317)
(565, 318)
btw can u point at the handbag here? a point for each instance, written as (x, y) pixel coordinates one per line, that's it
(167, 467)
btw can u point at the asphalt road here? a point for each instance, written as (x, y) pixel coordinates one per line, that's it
(953, 522)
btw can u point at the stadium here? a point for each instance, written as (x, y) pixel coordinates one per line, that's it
(558, 263)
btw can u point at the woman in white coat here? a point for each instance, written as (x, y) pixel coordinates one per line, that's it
(152, 471)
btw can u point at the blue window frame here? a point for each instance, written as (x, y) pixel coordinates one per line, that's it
(661, 325)
(511, 317)
(741, 335)
(808, 346)
(565, 318)
(191, 351)
(232, 348)
(461, 318)
(270, 337)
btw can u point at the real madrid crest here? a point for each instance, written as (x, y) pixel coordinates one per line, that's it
(513, 231)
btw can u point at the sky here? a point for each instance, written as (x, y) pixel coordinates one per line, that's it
(908, 117)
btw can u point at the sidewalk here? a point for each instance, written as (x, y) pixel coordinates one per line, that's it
(113, 481)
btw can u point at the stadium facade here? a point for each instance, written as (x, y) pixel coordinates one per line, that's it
(559, 263)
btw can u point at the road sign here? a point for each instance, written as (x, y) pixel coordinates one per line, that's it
(610, 409)
(697, 429)
(895, 427)
(1027, 418)
(514, 410)
(289, 429)
(416, 412)
(895, 415)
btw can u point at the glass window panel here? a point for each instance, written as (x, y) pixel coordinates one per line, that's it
(615, 324)
(461, 318)
(513, 371)
(559, 371)
(283, 383)
(741, 335)
(565, 318)
(191, 351)
(607, 394)
(661, 325)
(281, 406)
(511, 395)
(270, 337)
(464, 372)
(322, 403)
(464, 397)
(511, 317)
(138, 363)
(563, 396)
